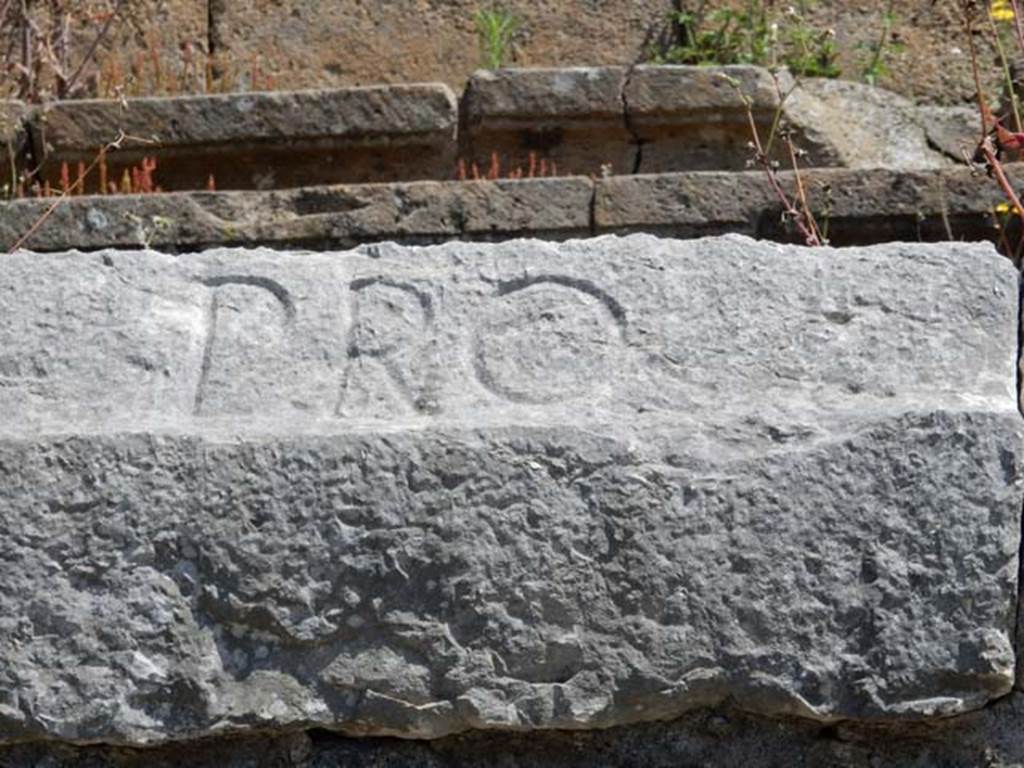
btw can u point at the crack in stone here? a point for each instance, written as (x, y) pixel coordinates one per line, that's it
(627, 119)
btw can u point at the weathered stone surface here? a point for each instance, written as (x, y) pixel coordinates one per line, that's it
(695, 118)
(523, 486)
(861, 126)
(860, 207)
(515, 123)
(954, 131)
(689, 93)
(348, 42)
(261, 140)
(545, 98)
(626, 120)
(856, 207)
(316, 217)
(573, 117)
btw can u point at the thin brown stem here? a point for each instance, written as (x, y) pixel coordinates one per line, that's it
(805, 210)
(1000, 176)
(1018, 26)
(95, 44)
(983, 107)
(26, 53)
(75, 188)
(789, 211)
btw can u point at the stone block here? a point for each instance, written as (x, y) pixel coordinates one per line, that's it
(695, 118)
(861, 126)
(858, 207)
(314, 217)
(521, 486)
(572, 117)
(260, 140)
(855, 207)
(644, 119)
(953, 131)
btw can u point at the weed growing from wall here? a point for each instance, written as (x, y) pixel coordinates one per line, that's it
(496, 29)
(760, 34)
(882, 50)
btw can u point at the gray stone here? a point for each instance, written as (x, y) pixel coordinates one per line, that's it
(260, 140)
(528, 486)
(382, 113)
(684, 94)
(854, 207)
(954, 131)
(315, 217)
(628, 120)
(859, 207)
(696, 118)
(509, 98)
(573, 117)
(860, 126)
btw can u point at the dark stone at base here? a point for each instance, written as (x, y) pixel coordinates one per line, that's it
(990, 738)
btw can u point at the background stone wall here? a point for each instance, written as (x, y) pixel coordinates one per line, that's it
(161, 45)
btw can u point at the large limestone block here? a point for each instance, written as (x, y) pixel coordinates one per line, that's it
(517, 486)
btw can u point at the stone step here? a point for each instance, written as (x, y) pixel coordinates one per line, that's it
(591, 121)
(855, 207)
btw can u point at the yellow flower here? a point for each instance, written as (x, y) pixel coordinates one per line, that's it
(1001, 10)
(1005, 208)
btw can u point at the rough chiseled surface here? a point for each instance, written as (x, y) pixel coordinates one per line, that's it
(418, 491)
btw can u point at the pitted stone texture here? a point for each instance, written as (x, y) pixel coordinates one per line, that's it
(418, 491)
(860, 126)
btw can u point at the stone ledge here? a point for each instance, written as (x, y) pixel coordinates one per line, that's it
(859, 206)
(867, 206)
(316, 217)
(354, 134)
(649, 118)
(678, 95)
(583, 120)
(543, 98)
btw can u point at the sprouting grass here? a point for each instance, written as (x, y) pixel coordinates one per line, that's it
(497, 28)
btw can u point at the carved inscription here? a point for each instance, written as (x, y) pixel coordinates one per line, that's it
(248, 323)
(549, 338)
(392, 351)
(540, 339)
